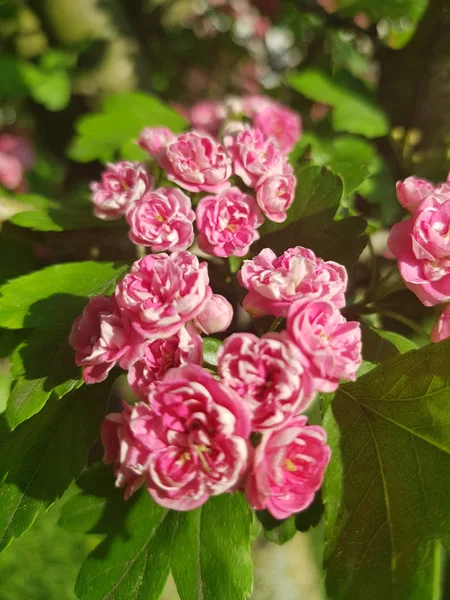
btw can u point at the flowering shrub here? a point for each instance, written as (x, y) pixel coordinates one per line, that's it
(191, 436)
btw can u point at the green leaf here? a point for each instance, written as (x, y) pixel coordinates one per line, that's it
(318, 189)
(39, 460)
(55, 294)
(210, 348)
(399, 341)
(376, 348)
(387, 486)
(312, 516)
(20, 257)
(352, 158)
(340, 241)
(208, 549)
(211, 551)
(278, 532)
(101, 136)
(42, 365)
(355, 107)
(383, 9)
(56, 219)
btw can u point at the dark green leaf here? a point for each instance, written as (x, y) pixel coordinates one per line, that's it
(399, 341)
(211, 551)
(387, 486)
(42, 365)
(210, 349)
(39, 460)
(20, 257)
(312, 515)
(208, 549)
(55, 294)
(277, 531)
(102, 136)
(354, 108)
(318, 189)
(341, 241)
(376, 348)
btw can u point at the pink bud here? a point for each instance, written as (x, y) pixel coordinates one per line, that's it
(216, 316)
(441, 330)
(411, 191)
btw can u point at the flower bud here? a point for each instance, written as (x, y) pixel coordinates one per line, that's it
(216, 316)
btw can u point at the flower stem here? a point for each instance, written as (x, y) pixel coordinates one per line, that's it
(275, 323)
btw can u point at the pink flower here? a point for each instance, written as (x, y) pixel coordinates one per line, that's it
(288, 468)
(441, 330)
(122, 449)
(227, 223)
(421, 246)
(281, 125)
(20, 148)
(274, 283)
(121, 185)
(254, 156)
(101, 339)
(208, 116)
(160, 356)
(162, 293)
(411, 191)
(216, 316)
(195, 431)
(11, 171)
(196, 162)
(275, 194)
(268, 375)
(162, 220)
(330, 344)
(253, 104)
(154, 140)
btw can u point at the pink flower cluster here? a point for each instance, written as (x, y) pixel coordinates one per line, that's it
(191, 435)
(237, 180)
(421, 244)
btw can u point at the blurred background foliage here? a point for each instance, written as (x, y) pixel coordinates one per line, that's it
(79, 79)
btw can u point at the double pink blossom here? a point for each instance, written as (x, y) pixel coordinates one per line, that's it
(190, 440)
(288, 468)
(275, 194)
(101, 339)
(441, 330)
(154, 140)
(421, 246)
(330, 345)
(281, 125)
(254, 156)
(162, 219)
(216, 316)
(121, 185)
(196, 162)
(228, 223)
(162, 293)
(208, 116)
(268, 374)
(274, 283)
(121, 448)
(411, 191)
(161, 355)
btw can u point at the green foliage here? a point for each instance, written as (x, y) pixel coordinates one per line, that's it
(20, 257)
(207, 549)
(43, 564)
(39, 460)
(102, 136)
(354, 107)
(56, 219)
(210, 348)
(43, 365)
(387, 486)
(55, 294)
(383, 9)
